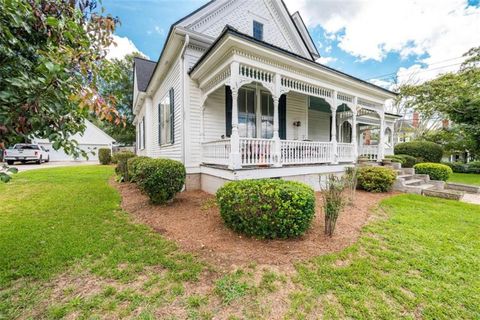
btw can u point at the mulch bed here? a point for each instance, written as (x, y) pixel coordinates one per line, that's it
(194, 223)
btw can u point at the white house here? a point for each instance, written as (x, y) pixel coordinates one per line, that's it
(237, 93)
(92, 139)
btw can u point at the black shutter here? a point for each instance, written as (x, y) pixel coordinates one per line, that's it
(282, 117)
(228, 111)
(172, 116)
(159, 124)
(330, 129)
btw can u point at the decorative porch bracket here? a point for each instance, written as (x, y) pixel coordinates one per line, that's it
(235, 157)
(277, 153)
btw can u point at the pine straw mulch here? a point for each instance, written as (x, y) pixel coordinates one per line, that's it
(193, 221)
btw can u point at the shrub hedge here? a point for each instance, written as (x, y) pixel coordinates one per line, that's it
(134, 167)
(460, 167)
(160, 179)
(436, 171)
(104, 155)
(121, 159)
(408, 161)
(267, 208)
(423, 151)
(375, 179)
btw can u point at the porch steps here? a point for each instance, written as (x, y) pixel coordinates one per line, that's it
(409, 182)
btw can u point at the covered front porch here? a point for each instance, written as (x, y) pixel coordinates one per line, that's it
(258, 112)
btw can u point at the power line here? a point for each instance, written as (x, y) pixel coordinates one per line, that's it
(431, 64)
(417, 72)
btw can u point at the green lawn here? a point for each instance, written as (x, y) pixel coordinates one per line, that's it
(468, 178)
(66, 249)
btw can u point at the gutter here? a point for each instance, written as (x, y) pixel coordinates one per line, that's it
(184, 98)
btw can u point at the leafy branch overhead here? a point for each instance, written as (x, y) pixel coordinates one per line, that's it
(50, 52)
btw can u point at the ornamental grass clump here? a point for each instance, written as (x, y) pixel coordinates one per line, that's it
(334, 200)
(267, 208)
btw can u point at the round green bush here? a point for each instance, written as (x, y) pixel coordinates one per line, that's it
(421, 150)
(161, 179)
(436, 171)
(375, 179)
(121, 159)
(459, 167)
(408, 161)
(395, 159)
(134, 167)
(267, 208)
(104, 155)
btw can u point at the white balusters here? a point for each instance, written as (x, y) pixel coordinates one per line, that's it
(345, 152)
(305, 152)
(256, 151)
(370, 151)
(216, 152)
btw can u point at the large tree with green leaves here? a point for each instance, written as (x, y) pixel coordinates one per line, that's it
(50, 54)
(116, 80)
(453, 95)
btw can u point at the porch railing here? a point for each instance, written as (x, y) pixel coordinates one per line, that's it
(370, 151)
(255, 151)
(345, 152)
(304, 152)
(216, 152)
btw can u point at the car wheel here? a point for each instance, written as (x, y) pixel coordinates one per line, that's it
(10, 162)
(48, 159)
(39, 161)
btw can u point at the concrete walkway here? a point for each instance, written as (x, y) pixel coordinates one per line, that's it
(52, 164)
(472, 198)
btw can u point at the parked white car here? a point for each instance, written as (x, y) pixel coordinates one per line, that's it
(25, 152)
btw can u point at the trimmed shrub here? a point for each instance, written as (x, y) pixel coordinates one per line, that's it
(104, 155)
(436, 171)
(267, 208)
(421, 150)
(376, 179)
(396, 159)
(121, 159)
(134, 167)
(408, 161)
(459, 167)
(161, 179)
(473, 167)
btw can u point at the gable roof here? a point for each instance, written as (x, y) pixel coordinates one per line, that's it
(307, 38)
(143, 72)
(232, 31)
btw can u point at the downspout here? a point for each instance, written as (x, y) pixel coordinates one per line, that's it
(184, 99)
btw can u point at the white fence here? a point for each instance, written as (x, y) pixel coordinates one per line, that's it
(370, 151)
(256, 151)
(304, 152)
(345, 152)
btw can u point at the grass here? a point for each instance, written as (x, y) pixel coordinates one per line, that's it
(67, 250)
(467, 178)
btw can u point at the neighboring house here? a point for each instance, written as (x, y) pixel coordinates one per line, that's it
(237, 94)
(92, 139)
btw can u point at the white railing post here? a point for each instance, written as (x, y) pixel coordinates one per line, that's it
(334, 128)
(277, 161)
(354, 129)
(235, 157)
(381, 142)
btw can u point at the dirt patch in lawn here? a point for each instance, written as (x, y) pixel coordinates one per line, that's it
(193, 221)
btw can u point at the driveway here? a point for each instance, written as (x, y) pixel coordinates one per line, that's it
(51, 164)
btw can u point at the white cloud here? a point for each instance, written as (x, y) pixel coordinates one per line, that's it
(121, 47)
(326, 60)
(371, 29)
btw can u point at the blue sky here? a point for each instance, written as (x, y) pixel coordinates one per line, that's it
(372, 40)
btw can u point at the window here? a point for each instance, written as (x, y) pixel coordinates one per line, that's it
(267, 116)
(166, 119)
(141, 134)
(246, 113)
(257, 30)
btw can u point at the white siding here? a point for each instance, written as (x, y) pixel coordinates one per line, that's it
(214, 116)
(139, 117)
(172, 80)
(318, 125)
(296, 111)
(240, 15)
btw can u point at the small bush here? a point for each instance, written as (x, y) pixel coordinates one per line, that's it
(395, 158)
(436, 171)
(421, 150)
(376, 179)
(333, 201)
(408, 161)
(104, 155)
(473, 167)
(267, 208)
(134, 167)
(458, 167)
(161, 179)
(121, 159)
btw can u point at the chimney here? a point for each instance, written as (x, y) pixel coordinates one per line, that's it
(445, 123)
(415, 119)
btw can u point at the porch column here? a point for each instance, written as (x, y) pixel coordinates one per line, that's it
(235, 158)
(354, 130)
(276, 124)
(334, 128)
(202, 120)
(381, 142)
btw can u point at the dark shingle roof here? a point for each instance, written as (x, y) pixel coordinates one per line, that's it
(143, 71)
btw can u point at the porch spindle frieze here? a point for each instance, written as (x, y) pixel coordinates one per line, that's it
(306, 88)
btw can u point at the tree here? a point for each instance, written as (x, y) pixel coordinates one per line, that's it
(49, 61)
(453, 95)
(453, 140)
(116, 79)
